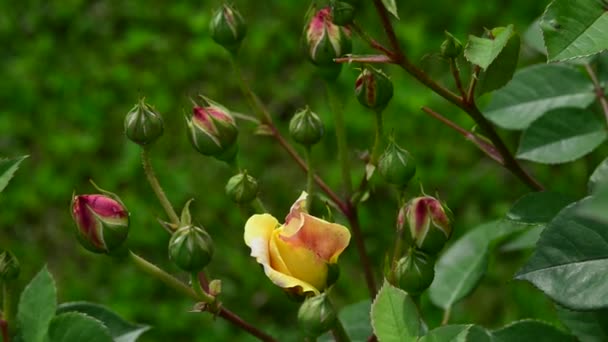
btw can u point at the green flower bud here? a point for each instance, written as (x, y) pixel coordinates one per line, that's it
(212, 131)
(102, 222)
(143, 125)
(317, 315)
(228, 28)
(373, 89)
(242, 188)
(414, 272)
(9, 266)
(306, 127)
(451, 46)
(342, 13)
(191, 248)
(429, 223)
(325, 40)
(396, 165)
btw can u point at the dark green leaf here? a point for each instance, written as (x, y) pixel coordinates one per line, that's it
(599, 176)
(483, 51)
(525, 240)
(588, 326)
(500, 72)
(391, 6)
(447, 333)
(575, 28)
(529, 330)
(394, 315)
(570, 263)
(7, 170)
(74, 326)
(37, 306)
(561, 135)
(538, 207)
(120, 330)
(534, 91)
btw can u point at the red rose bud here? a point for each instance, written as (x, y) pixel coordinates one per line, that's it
(9, 266)
(342, 13)
(317, 315)
(306, 127)
(429, 223)
(212, 131)
(102, 222)
(414, 272)
(396, 165)
(191, 248)
(143, 125)
(325, 40)
(373, 89)
(228, 28)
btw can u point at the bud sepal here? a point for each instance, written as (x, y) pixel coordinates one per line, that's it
(212, 130)
(143, 124)
(242, 188)
(9, 266)
(396, 165)
(414, 272)
(429, 223)
(191, 248)
(306, 127)
(317, 315)
(325, 40)
(228, 28)
(373, 88)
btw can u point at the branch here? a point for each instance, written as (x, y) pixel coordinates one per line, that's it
(381, 59)
(599, 91)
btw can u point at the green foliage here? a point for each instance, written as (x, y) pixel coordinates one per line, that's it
(394, 315)
(598, 177)
(500, 72)
(391, 6)
(448, 333)
(75, 326)
(37, 305)
(7, 170)
(484, 51)
(587, 326)
(529, 330)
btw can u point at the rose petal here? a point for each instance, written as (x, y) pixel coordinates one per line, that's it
(327, 240)
(302, 263)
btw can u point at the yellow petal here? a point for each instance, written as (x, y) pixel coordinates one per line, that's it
(302, 263)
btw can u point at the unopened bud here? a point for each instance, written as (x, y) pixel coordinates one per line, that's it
(242, 188)
(317, 315)
(143, 125)
(213, 131)
(429, 223)
(342, 13)
(228, 28)
(102, 222)
(414, 272)
(9, 266)
(396, 165)
(451, 46)
(324, 39)
(191, 248)
(306, 127)
(373, 89)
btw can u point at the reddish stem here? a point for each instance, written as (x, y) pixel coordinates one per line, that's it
(241, 324)
(4, 330)
(353, 220)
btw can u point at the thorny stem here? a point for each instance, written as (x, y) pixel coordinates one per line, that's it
(4, 331)
(599, 91)
(467, 105)
(177, 285)
(377, 138)
(470, 97)
(371, 41)
(339, 332)
(158, 190)
(338, 112)
(309, 177)
(353, 220)
(364, 59)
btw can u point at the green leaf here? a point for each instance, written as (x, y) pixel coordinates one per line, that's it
(356, 321)
(575, 28)
(588, 326)
(461, 267)
(483, 51)
(37, 306)
(530, 330)
(534, 91)
(599, 176)
(561, 135)
(75, 326)
(533, 37)
(7, 170)
(391, 6)
(447, 333)
(525, 240)
(394, 315)
(500, 72)
(570, 263)
(120, 330)
(538, 207)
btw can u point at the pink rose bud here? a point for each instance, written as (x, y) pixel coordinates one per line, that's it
(429, 223)
(102, 222)
(325, 40)
(212, 131)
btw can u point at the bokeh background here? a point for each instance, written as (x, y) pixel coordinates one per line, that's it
(72, 69)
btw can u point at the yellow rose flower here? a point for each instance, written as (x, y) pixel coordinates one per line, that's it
(296, 255)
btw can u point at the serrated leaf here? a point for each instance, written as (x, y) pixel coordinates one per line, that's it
(120, 329)
(533, 37)
(500, 72)
(37, 306)
(391, 6)
(599, 176)
(483, 51)
(538, 207)
(587, 326)
(561, 135)
(530, 330)
(570, 263)
(447, 333)
(534, 91)
(575, 28)
(7, 170)
(75, 326)
(356, 321)
(394, 315)
(460, 268)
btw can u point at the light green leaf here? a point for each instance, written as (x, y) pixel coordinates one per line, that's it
(500, 72)
(391, 6)
(7, 170)
(575, 28)
(120, 330)
(598, 177)
(561, 135)
(483, 51)
(530, 330)
(525, 240)
(536, 90)
(37, 306)
(588, 326)
(533, 37)
(570, 263)
(394, 315)
(461, 267)
(447, 333)
(75, 326)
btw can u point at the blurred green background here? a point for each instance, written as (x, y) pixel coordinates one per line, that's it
(72, 69)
